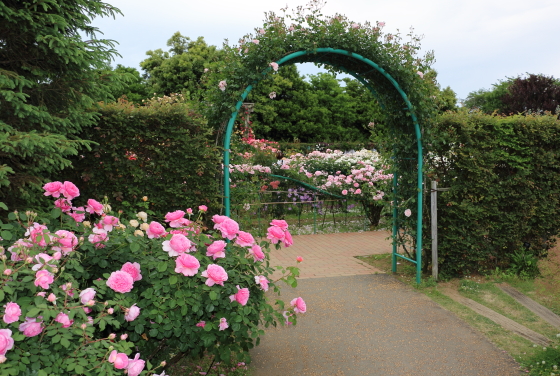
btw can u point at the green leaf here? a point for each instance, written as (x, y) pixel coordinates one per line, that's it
(3, 206)
(139, 329)
(33, 312)
(1, 295)
(173, 279)
(12, 216)
(55, 213)
(6, 235)
(162, 266)
(64, 342)
(153, 333)
(134, 247)
(213, 295)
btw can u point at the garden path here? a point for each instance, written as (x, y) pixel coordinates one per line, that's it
(362, 323)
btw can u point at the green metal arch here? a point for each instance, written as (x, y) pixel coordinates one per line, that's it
(295, 55)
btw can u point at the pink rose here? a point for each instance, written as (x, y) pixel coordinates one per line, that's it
(63, 204)
(94, 206)
(64, 241)
(223, 324)
(53, 189)
(177, 245)
(280, 223)
(187, 265)
(420, 74)
(175, 218)
(229, 228)
(203, 208)
(355, 26)
(274, 66)
(12, 313)
(258, 254)
(155, 230)
(189, 211)
(407, 212)
(64, 320)
(30, 327)
(262, 281)
(132, 313)
(43, 278)
(256, 41)
(52, 298)
(87, 295)
(241, 296)
(120, 281)
(299, 259)
(98, 239)
(124, 336)
(38, 234)
(78, 214)
(275, 234)
(215, 274)
(135, 366)
(244, 239)
(216, 249)
(6, 341)
(344, 192)
(288, 241)
(108, 222)
(70, 191)
(299, 305)
(120, 360)
(222, 85)
(218, 219)
(133, 269)
(201, 324)
(8, 272)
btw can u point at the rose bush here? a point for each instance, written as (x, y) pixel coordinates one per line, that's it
(75, 278)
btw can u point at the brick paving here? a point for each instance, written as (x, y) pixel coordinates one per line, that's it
(332, 255)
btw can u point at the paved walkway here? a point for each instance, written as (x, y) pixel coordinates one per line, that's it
(362, 323)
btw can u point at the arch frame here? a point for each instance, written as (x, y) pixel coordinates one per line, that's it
(313, 56)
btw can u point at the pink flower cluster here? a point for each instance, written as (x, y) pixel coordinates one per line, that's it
(278, 232)
(133, 367)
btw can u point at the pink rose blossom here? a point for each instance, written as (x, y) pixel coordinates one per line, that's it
(12, 312)
(98, 239)
(38, 234)
(63, 204)
(135, 366)
(120, 281)
(275, 234)
(8, 272)
(218, 220)
(43, 278)
(87, 295)
(108, 222)
(110, 311)
(272, 95)
(258, 254)
(355, 26)
(381, 24)
(131, 313)
(155, 230)
(420, 74)
(229, 228)
(64, 320)
(274, 66)
(244, 239)
(64, 241)
(358, 191)
(215, 274)
(223, 324)
(31, 327)
(216, 249)
(299, 305)
(203, 208)
(53, 189)
(6, 341)
(94, 206)
(280, 223)
(344, 192)
(78, 214)
(42, 294)
(124, 336)
(407, 212)
(261, 31)
(69, 190)
(241, 296)
(262, 281)
(119, 360)
(222, 85)
(256, 41)
(201, 324)
(288, 241)
(177, 245)
(299, 259)
(176, 218)
(187, 265)
(52, 298)
(189, 211)
(133, 269)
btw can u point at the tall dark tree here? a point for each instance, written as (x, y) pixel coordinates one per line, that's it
(49, 79)
(535, 93)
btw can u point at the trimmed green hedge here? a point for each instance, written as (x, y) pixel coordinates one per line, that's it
(504, 180)
(163, 150)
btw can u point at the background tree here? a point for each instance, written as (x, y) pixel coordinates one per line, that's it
(49, 78)
(135, 87)
(180, 69)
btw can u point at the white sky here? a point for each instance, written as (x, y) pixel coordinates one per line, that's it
(476, 42)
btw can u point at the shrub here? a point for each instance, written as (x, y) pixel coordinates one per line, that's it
(179, 289)
(504, 188)
(162, 150)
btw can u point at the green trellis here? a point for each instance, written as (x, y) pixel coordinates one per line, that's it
(332, 57)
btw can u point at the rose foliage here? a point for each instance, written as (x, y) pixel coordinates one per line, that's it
(84, 292)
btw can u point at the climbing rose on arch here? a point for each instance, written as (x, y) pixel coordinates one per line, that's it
(274, 66)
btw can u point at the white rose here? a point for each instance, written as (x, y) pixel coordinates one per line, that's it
(138, 233)
(144, 226)
(133, 223)
(142, 215)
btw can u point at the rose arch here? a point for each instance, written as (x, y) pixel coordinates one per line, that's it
(389, 67)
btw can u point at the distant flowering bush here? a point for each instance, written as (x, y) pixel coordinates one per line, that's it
(68, 286)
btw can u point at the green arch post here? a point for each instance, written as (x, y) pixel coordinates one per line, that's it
(409, 107)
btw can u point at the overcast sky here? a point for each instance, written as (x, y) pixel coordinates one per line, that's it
(476, 42)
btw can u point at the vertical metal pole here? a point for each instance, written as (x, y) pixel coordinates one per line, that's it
(314, 214)
(395, 222)
(433, 206)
